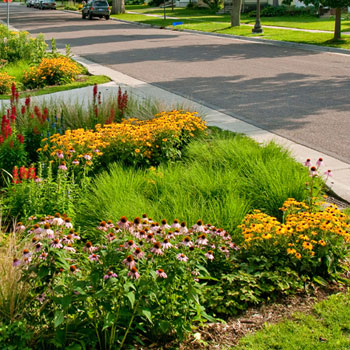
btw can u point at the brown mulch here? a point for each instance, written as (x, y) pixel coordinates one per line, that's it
(215, 336)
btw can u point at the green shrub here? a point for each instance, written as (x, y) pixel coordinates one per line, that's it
(15, 336)
(15, 46)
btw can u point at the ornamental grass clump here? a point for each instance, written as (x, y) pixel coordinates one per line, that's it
(133, 141)
(135, 281)
(51, 71)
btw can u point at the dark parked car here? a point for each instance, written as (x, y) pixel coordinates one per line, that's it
(47, 4)
(36, 3)
(96, 8)
(30, 3)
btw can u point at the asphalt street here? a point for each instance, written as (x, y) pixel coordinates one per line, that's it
(298, 94)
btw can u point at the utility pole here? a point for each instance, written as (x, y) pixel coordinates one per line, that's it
(8, 14)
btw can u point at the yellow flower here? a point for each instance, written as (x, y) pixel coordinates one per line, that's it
(298, 255)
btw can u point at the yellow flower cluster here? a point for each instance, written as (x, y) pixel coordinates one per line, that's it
(132, 136)
(6, 81)
(52, 71)
(304, 233)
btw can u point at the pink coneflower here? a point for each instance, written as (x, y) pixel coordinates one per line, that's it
(129, 244)
(161, 273)
(110, 236)
(123, 223)
(225, 235)
(202, 240)
(60, 155)
(138, 253)
(150, 238)
(110, 274)
(102, 226)
(37, 229)
(209, 255)
(57, 220)
(63, 166)
(182, 257)
(38, 179)
(67, 223)
(176, 224)
(313, 171)
(16, 262)
(75, 162)
(74, 235)
(27, 260)
(328, 173)
(133, 273)
(187, 241)
(43, 256)
(94, 257)
(73, 269)
(156, 249)
(224, 249)
(20, 227)
(110, 224)
(129, 261)
(164, 225)
(56, 243)
(308, 162)
(67, 239)
(89, 247)
(183, 229)
(38, 247)
(26, 253)
(31, 218)
(198, 227)
(41, 297)
(233, 246)
(70, 248)
(166, 244)
(87, 157)
(319, 162)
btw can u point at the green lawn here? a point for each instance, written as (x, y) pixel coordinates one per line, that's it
(323, 39)
(327, 328)
(89, 80)
(301, 22)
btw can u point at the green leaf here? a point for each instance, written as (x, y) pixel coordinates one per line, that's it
(320, 281)
(59, 318)
(164, 326)
(131, 297)
(109, 320)
(148, 315)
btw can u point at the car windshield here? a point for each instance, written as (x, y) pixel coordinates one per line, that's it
(101, 3)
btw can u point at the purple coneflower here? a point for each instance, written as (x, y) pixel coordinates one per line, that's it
(129, 261)
(202, 240)
(75, 162)
(164, 225)
(198, 227)
(123, 223)
(56, 243)
(328, 173)
(43, 256)
(110, 237)
(176, 224)
(87, 156)
(20, 227)
(60, 155)
(63, 166)
(182, 257)
(138, 253)
(187, 241)
(110, 274)
(209, 255)
(89, 247)
(94, 257)
(313, 171)
(319, 162)
(308, 162)
(166, 244)
(16, 262)
(41, 297)
(38, 247)
(161, 273)
(133, 273)
(129, 244)
(156, 249)
(70, 248)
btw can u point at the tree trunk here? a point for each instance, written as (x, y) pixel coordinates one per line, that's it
(337, 23)
(236, 13)
(118, 6)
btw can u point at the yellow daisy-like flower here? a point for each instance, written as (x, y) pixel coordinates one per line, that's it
(307, 245)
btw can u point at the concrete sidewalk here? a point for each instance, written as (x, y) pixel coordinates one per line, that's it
(339, 183)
